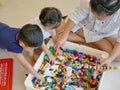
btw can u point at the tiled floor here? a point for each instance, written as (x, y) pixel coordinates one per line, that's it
(16, 13)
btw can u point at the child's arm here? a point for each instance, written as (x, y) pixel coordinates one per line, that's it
(114, 54)
(46, 50)
(26, 65)
(58, 31)
(64, 35)
(53, 33)
(54, 36)
(31, 56)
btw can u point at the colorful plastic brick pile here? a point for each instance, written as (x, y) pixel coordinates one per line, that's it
(72, 70)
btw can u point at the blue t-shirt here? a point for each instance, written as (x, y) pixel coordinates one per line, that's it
(8, 38)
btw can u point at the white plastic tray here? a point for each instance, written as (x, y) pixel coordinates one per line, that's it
(68, 45)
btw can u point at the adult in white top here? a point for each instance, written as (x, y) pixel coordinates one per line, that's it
(95, 22)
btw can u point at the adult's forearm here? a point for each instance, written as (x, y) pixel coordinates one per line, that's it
(115, 52)
(69, 25)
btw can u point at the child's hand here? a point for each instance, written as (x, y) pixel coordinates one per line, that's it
(52, 58)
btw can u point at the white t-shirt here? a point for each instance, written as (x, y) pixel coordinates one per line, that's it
(36, 20)
(93, 29)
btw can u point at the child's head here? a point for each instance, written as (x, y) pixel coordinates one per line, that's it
(104, 8)
(30, 35)
(50, 17)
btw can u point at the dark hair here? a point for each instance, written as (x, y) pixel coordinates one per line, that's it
(50, 15)
(107, 7)
(31, 35)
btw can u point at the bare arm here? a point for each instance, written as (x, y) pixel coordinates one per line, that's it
(63, 37)
(46, 50)
(26, 65)
(54, 36)
(53, 33)
(58, 30)
(114, 54)
(61, 27)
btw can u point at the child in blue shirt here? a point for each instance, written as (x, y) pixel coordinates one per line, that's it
(15, 40)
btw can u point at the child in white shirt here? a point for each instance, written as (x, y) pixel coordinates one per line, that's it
(51, 23)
